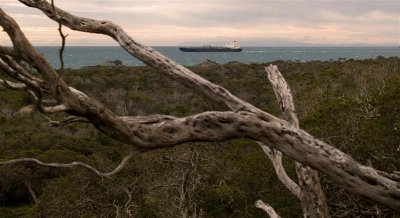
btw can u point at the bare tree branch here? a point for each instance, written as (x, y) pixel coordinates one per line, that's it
(63, 38)
(7, 51)
(77, 103)
(267, 208)
(38, 96)
(72, 164)
(53, 109)
(127, 204)
(34, 197)
(12, 85)
(19, 69)
(276, 158)
(66, 121)
(9, 68)
(311, 194)
(14, 70)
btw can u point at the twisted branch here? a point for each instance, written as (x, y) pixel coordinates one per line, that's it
(63, 38)
(72, 164)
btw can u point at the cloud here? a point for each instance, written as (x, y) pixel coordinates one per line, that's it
(159, 22)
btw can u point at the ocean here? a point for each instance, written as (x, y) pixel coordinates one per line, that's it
(80, 56)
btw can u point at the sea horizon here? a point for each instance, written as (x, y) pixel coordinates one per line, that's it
(244, 46)
(81, 56)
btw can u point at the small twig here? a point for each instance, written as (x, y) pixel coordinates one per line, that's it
(66, 121)
(163, 186)
(185, 202)
(63, 38)
(127, 204)
(61, 51)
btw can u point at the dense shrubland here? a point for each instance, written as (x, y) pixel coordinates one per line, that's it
(351, 104)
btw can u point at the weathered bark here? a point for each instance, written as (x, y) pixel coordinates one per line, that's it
(12, 85)
(7, 51)
(267, 208)
(311, 194)
(276, 158)
(13, 70)
(244, 120)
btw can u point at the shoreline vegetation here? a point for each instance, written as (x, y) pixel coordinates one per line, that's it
(352, 104)
(209, 62)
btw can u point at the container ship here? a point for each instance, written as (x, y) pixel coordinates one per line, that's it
(230, 47)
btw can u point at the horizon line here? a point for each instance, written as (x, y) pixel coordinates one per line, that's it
(311, 45)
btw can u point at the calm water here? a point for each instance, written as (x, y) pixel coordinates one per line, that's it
(76, 57)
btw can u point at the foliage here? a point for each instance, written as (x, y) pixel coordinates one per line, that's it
(355, 105)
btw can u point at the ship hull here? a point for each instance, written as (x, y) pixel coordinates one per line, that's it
(209, 49)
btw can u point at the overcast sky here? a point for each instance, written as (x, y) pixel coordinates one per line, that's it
(252, 22)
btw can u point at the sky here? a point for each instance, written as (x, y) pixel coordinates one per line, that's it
(198, 22)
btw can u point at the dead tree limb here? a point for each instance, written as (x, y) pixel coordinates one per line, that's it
(311, 194)
(276, 158)
(7, 51)
(63, 38)
(21, 71)
(66, 121)
(267, 208)
(9, 67)
(12, 85)
(72, 164)
(127, 204)
(244, 120)
(33, 194)
(274, 155)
